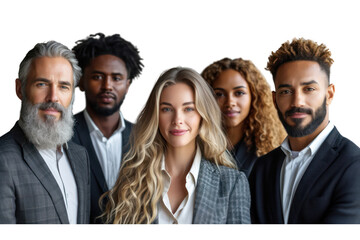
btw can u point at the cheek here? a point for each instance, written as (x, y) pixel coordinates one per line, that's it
(66, 99)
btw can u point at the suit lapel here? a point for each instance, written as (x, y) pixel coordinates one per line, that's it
(325, 155)
(84, 136)
(274, 189)
(79, 170)
(125, 138)
(38, 166)
(207, 186)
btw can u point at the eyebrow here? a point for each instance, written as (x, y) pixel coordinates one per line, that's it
(67, 83)
(302, 84)
(169, 104)
(233, 88)
(99, 72)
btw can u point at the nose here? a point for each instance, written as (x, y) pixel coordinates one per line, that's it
(178, 118)
(298, 99)
(106, 83)
(52, 95)
(230, 101)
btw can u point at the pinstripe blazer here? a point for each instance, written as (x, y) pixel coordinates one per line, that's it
(222, 196)
(28, 191)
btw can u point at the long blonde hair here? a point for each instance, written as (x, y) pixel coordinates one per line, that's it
(139, 186)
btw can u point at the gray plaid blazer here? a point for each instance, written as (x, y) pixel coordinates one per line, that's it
(28, 191)
(222, 196)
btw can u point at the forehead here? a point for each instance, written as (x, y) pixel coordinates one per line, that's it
(109, 63)
(177, 93)
(231, 78)
(51, 68)
(297, 72)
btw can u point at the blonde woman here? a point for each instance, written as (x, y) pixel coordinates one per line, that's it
(178, 169)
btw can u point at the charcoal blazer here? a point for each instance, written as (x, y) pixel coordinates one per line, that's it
(221, 197)
(329, 191)
(98, 182)
(28, 191)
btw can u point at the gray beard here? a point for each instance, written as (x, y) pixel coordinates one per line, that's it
(50, 133)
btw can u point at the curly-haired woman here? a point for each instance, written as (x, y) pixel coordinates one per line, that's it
(249, 116)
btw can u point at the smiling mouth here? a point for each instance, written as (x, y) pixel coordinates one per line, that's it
(231, 113)
(176, 132)
(50, 111)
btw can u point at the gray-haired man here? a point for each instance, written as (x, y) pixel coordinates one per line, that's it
(43, 177)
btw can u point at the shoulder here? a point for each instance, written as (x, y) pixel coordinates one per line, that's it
(128, 124)
(226, 174)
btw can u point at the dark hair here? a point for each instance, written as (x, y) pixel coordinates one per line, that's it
(97, 44)
(300, 49)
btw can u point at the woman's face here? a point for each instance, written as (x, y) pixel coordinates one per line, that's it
(233, 96)
(179, 120)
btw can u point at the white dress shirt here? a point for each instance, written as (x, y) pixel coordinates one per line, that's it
(294, 167)
(184, 213)
(60, 168)
(108, 150)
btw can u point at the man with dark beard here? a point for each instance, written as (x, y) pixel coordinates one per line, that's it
(314, 176)
(109, 65)
(44, 178)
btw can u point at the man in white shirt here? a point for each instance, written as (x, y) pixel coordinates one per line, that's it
(44, 178)
(109, 65)
(314, 176)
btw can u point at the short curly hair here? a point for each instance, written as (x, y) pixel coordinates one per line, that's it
(300, 49)
(97, 44)
(262, 128)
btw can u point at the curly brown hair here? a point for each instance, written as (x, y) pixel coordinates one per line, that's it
(262, 127)
(300, 49)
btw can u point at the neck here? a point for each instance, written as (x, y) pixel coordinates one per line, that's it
(299, 143)
(178, 161)
(234, 134)
(106, 124)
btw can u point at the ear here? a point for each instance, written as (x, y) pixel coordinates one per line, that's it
(18, 88)
(330, 94)
(81, 84)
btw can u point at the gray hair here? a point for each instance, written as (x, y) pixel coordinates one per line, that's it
(48, 49)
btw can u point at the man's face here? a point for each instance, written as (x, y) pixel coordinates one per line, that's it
(46, 108)
(105, 82)
(50, 80)
(302, 97)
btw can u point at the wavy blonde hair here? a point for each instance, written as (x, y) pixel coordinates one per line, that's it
(139, 187)
(263, 130)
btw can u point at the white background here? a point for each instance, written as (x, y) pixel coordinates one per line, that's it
(187, 33)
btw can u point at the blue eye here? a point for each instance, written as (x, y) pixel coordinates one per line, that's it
(165, 109)
(189, 109)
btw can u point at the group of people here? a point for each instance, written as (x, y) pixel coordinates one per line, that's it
(217, 147)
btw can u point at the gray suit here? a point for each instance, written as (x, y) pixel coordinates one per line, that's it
(222, 196)
(28, 191)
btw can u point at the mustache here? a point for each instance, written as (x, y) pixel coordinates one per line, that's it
(298, 110)
(54, 105)
(107, 93)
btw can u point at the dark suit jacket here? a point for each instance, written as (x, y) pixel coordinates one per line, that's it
(221, 197)
(244, 158)
(28, 191)
(329, 191)
(98, 183)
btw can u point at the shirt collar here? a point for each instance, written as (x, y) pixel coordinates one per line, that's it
(93, 128)
(314, 145)
(195, 167)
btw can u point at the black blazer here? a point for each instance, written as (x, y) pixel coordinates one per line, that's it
(329, 191)
(98, 183)
(245, 158)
